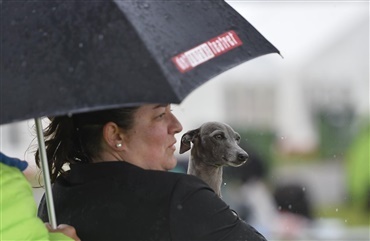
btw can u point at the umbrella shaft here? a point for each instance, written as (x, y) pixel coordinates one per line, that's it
(45, 173)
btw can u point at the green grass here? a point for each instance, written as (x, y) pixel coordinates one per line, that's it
(349, 214)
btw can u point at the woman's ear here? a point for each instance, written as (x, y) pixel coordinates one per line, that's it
(113, 136)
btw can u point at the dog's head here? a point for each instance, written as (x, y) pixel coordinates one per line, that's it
(215, 143)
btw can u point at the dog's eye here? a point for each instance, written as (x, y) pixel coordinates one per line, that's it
(219, 136)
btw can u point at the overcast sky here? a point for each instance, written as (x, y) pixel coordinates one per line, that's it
(294, 26)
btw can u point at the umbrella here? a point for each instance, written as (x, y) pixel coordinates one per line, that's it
(66, 57)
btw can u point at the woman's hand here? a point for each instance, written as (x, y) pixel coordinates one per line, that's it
(65, 229)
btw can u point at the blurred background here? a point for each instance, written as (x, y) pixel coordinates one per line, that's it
(303, 117)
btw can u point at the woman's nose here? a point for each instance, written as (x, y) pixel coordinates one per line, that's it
(176, 126)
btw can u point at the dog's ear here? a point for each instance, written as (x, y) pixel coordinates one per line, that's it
(187, 138)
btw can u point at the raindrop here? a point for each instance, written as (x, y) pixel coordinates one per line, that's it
(345, 220)
(179, 207)
(143, 5)
(336, 209)
(282, 137)
(80, 45)
(303, 189)
(45, 34)
(24, 64)
(69, 114)
(70, 69)
(224, 183)
(54, 8)
(34, 11)
(101, 37)
(279, 208)
(290, 206)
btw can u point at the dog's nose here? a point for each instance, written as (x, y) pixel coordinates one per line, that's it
(243, 156)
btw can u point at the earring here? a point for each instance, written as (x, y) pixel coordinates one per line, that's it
(118, 145)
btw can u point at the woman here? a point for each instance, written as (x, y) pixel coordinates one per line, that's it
(118, 180)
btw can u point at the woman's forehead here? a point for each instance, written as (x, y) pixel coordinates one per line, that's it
(156, 106)
(149, 108)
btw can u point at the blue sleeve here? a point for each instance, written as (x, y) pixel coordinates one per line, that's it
(13, 162)
(197, 213)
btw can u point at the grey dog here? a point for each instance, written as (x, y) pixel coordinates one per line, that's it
(215, 145)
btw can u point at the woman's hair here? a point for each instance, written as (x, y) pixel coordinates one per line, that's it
(78, 138)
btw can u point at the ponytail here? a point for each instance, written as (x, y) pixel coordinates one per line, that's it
(62, 145)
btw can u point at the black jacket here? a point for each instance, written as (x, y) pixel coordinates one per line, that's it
(119, 201)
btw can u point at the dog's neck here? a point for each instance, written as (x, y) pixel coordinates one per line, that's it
(212, 175)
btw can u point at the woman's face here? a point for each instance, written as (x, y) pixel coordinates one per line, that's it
(151, 142)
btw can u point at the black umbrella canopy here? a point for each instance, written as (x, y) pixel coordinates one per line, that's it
(65, 57)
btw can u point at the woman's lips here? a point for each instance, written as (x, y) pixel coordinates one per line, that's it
(173, 146)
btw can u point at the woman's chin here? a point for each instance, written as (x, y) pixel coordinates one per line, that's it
(171, 164)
